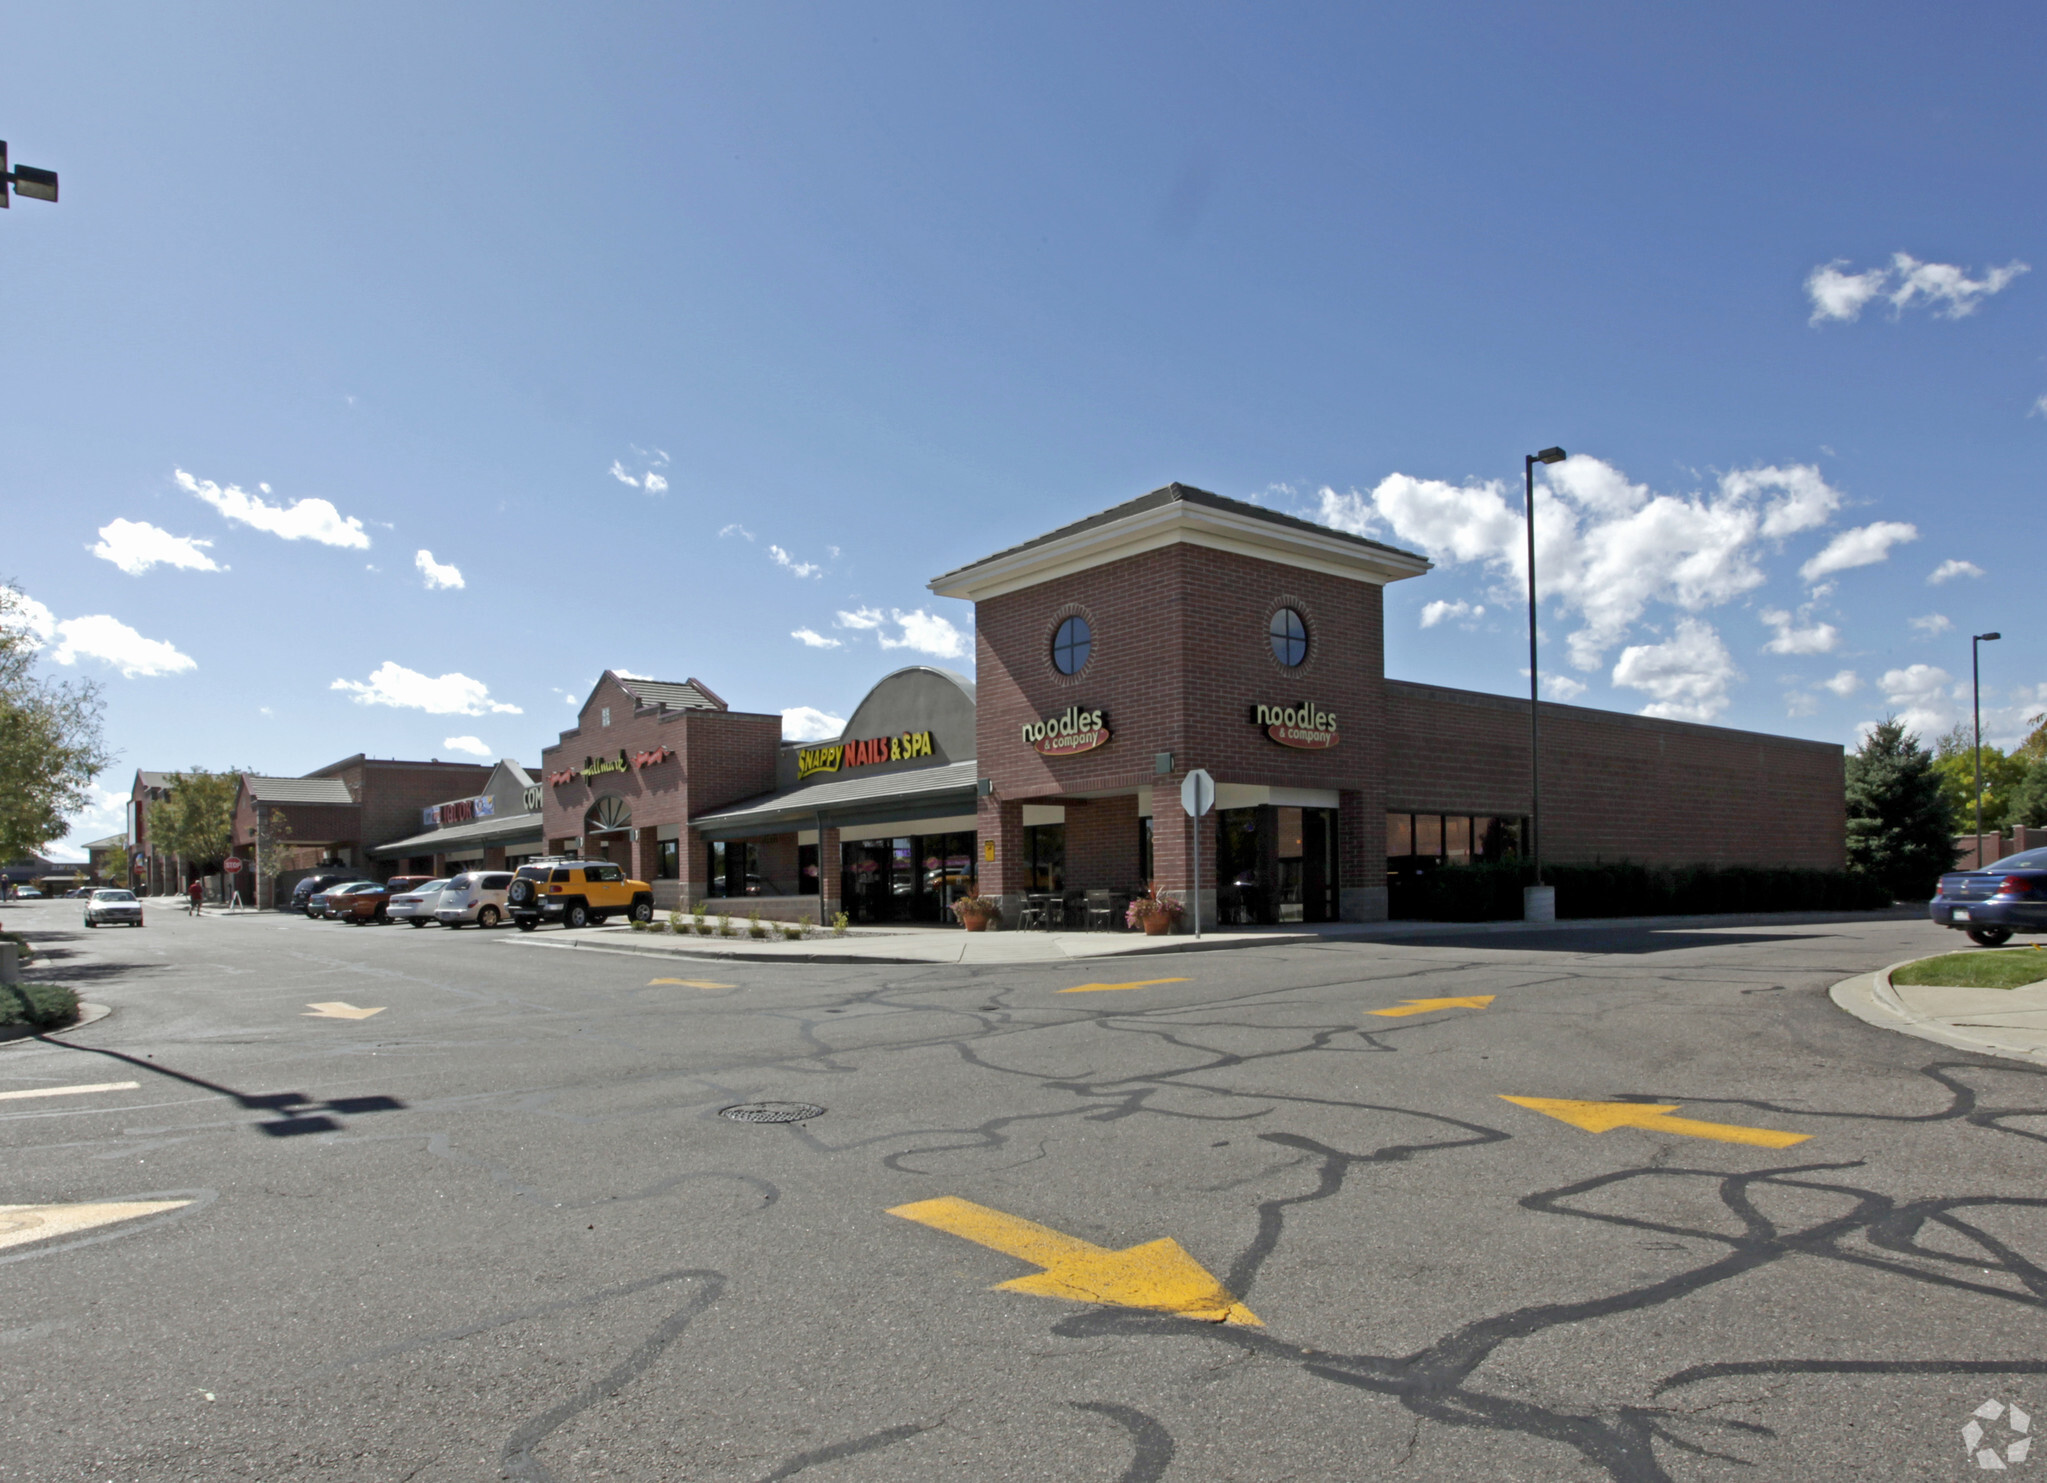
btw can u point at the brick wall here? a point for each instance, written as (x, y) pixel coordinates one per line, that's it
(1619, 787)
(1101, 844)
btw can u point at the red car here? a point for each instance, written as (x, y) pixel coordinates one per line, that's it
(368, 903)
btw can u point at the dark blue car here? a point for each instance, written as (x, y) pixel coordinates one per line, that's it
(2006, 896)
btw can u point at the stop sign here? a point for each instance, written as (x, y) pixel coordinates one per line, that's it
(232, 865)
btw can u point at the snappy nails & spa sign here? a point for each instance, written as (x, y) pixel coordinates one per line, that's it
(904, 747)
(1064, 735)
(1299, 725)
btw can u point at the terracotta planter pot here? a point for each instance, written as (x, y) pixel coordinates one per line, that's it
(1158, 924)
(975, 921)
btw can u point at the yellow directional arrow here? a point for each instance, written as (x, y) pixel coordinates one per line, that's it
(21, 1224)
(690, 983)
(336, 1010)
(1158, 1274)
(1601, 1117)
(1142, 983)
(1424, 1006)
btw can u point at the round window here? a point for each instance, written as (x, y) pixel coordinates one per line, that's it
(1071, 646)
(1289, 637)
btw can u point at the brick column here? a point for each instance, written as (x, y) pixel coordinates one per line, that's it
(828, 884)
(1360, 857)
(494, 857)
(1172, 848)
(644, 852)
(1000, 873)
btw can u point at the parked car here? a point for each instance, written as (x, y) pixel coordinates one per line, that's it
(303, 893)
(475, 896)
(576, 893)
(2005, 896)
(363, 901)
(322, 903)
(28, 893)
(106, 908)
(417, 905)
(77, 893)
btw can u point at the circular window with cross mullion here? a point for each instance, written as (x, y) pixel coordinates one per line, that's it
(1071, 645)
(1289, 637)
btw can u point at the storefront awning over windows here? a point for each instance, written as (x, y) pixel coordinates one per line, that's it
(928, 793)
(509, 830)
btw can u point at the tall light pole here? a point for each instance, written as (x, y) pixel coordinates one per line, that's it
(27, 180)
(1528, 463)
(1976, 642)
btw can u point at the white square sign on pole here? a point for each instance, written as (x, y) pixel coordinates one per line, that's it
(1197, 797)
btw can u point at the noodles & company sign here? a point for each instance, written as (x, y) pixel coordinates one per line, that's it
(1299, 725)
(1064, 735)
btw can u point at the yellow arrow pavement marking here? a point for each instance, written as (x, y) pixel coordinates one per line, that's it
(1424, 1006)
(336, 1010)
(1142, 983)
(21, 1224)
(1158, 1274)
(690, 983)
(1601, 1117)
(77, 1091)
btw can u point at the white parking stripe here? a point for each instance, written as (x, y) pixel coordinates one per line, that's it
(77, 1091)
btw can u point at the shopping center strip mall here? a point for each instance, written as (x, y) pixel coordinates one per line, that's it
(1177, 631)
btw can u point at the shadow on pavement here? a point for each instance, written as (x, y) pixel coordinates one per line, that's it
(296, 1113)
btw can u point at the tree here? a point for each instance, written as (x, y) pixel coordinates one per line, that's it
(1901, 827)
(2029, 798)
(51, 746)
(196, 822)
(1954, 759)
(116, 865)
(273, 849)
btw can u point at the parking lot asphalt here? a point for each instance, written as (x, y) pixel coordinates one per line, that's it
(367, 1204)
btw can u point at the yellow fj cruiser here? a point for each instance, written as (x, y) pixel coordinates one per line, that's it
(576, 893)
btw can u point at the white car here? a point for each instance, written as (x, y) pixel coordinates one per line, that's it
(476, 896)
(417, 905)
(109, 908)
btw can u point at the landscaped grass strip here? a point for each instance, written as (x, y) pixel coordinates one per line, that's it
(40, 1005)
(2006, 968)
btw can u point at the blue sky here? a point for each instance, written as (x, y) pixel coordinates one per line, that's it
(872, 291)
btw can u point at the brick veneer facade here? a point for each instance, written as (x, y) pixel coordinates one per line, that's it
(717, 757)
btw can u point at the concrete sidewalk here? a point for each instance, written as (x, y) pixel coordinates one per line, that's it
(1993, 1022)
(951, 945)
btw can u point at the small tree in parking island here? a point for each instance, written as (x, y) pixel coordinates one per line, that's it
(1901, 826)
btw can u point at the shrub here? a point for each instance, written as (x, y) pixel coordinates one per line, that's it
(790, 931)
(40, 1005)
(1492, 893)
(725, 925)
(804, 924)
(675, 920)
(840, 922)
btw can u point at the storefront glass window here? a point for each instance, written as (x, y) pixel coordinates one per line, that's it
(735, 869)
(1457, 839)
(1071, 645)
(806, 870)
(906, 880)
(1421, 842)
(1289, 637)
(668, 859)
(1045, 857)
(1144, 855)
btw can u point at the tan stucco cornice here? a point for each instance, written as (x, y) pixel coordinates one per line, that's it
(1178, 522)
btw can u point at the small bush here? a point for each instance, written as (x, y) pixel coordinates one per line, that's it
(675, 921)
(803, 925)
(790, 931)
(754, 927)
(40, 1005)
(1492, 893)
(725, 926)
(840, 922)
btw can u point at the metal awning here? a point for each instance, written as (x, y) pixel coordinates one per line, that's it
(511, 829)
(925, 793)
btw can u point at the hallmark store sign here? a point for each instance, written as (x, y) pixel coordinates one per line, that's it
(595, 767)
(905, 747)
(461, 811)
(1063, 736)
(1300, 725)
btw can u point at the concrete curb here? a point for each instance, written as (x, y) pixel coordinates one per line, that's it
(1872, 998)
(713, 952)
(88, 1014)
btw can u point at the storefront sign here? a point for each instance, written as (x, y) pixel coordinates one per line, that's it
(596, 767)
(533, 797)
(461, 811)
(1064, 735)
(904, 747)
(1297, 725)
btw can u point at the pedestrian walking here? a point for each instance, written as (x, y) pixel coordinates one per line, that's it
(194, 893)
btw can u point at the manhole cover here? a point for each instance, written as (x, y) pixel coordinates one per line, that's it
(772, 1112)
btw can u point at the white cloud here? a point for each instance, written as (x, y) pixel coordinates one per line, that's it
(106, 814)
(735, 529)
(927, 633)
(653, 483)
(1948, 289)
(2039, 408)
(1920, 696)
(1844, 683)
(1606, 547)
(650, 478)
(860, 618)
(1562, 687)
(33, 619)
(1865, 545)
(807, 723)
(437, 574)
(135, 546)
(446, 695)
(1817, 638)
(618, 472)
(1947, 571)
(1687, 675)
(301, 520)
(1933, 623)
(115, 644)
(1839, 295)
(471, 745)
(1438, 611)
(1799, 703)
(783, 559)
(812, 638)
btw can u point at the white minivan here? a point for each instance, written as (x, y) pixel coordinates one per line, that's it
(474, 896)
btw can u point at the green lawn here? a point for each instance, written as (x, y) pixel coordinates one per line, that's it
(2005, 968)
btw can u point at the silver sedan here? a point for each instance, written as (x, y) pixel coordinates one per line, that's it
(113, 909)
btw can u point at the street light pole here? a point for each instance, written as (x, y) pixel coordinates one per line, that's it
(27, 180)
(1528, 463)
(1976, 642)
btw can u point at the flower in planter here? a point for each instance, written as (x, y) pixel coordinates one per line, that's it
(1152, 904)
(986, 908)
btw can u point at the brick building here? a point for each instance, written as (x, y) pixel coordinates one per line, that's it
(497, 827)
(1178, 630)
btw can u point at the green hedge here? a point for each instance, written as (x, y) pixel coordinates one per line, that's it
(1492, 893)
(40, 1005)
